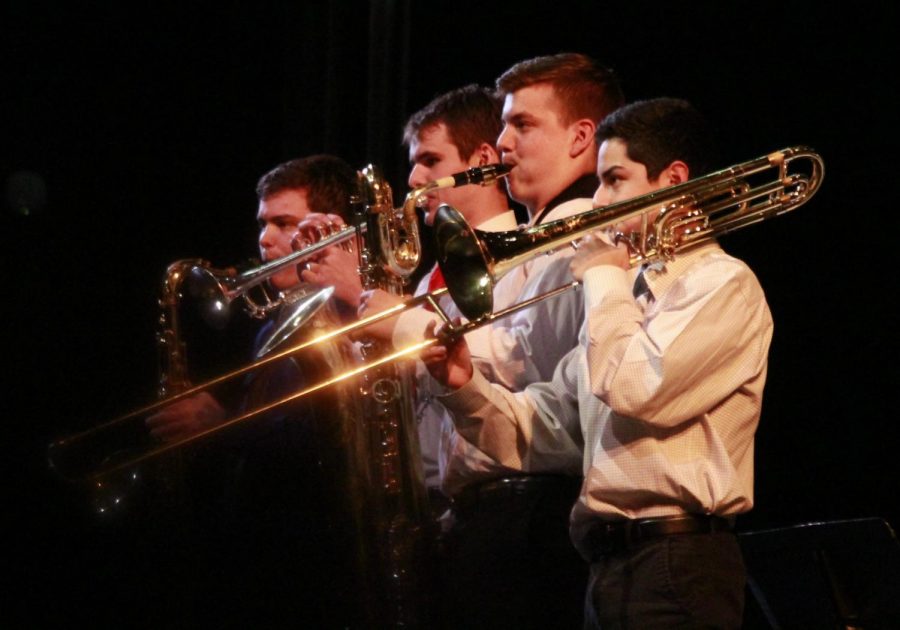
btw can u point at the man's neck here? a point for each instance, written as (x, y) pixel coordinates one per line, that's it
(583, 186)
(493, 203)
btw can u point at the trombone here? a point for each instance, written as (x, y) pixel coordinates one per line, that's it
(125, 442)
(688, 214)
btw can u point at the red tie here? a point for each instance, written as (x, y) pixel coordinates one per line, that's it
(435, 282)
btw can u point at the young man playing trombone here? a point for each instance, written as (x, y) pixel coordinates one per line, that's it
(657, 405)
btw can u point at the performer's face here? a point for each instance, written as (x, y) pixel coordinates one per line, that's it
(621, 179)
(278, 217)
(537, 144)
(432, 155)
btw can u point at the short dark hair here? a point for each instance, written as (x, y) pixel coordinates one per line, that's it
(584, 87)
(470, 113)
(329, 183)
(658, 131)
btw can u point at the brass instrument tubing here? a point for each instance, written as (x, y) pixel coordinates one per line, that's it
(448, 333)
(348, 328)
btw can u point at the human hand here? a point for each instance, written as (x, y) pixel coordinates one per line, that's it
(186, 417)
(593, 251)
(315, 227)
(449, 363)
(375, 301)
(336, 266)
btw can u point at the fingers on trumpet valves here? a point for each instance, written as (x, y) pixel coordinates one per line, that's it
(315, 227)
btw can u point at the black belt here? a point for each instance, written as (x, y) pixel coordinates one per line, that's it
(608, 537)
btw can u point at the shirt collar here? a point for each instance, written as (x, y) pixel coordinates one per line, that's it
(584, 186)
(500, 223)
(662, 275)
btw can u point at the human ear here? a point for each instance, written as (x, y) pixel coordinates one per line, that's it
(675, 173)
(582, 137)
(484, 155)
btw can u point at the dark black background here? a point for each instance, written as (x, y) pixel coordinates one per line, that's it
(150, 123)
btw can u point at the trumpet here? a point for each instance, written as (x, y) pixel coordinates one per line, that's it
(401, 250)
(686, 214)
(124, 442)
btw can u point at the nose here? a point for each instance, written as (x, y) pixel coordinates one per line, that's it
(504, 140)
(601, 197)
(417, 176)
(265, 237)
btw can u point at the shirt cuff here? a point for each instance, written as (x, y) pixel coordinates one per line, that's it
(470, 397)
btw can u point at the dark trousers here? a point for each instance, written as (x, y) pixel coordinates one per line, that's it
(508, 561)
(679, 581)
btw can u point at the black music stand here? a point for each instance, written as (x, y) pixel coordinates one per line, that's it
(836, 574)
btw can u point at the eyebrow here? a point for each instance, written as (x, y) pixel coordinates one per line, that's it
(418, 157)
(518, 117)
(278, 217)
(609, 171)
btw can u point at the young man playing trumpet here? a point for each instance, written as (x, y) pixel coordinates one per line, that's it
(657, 405)
(278, 537)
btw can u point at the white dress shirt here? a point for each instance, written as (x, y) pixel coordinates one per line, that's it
(434, 428)
(657, 406)
(514, 351)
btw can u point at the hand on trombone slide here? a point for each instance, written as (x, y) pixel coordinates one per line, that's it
(336, 266)
(375, 301)
(186, 417)
(449, 362)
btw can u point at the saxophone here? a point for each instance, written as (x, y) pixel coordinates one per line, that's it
(158, 485)
(401, 532)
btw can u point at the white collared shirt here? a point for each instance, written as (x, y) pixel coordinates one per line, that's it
(657, 406)
(514, 351)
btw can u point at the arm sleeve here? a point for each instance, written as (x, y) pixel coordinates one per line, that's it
(701, 341)
(533, 430)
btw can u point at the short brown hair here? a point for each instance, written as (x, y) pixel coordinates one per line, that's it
(329, 183)
(585, 88)
(470, 113)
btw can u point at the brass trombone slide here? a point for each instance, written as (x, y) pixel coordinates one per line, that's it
(76, 463)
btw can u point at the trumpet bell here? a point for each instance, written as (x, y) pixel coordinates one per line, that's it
(210, 290)
(303, 307)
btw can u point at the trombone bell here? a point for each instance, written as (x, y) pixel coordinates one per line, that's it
(458, 248)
